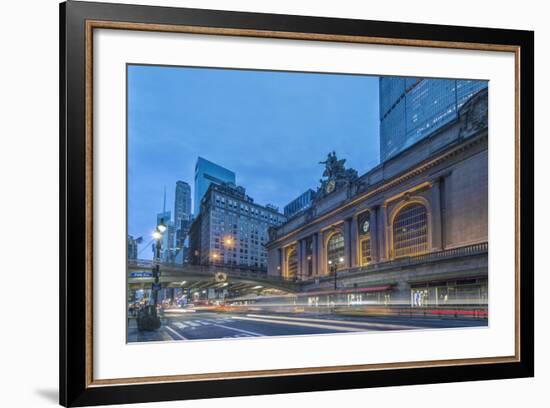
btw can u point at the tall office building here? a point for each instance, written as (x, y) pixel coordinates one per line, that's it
(182, 213)
(182, 203)
(300, 203)
(133, 247)
(413, 108)
(168, 238)
(231, 229)
(207, 173)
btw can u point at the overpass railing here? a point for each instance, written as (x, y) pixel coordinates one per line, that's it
(208, 270)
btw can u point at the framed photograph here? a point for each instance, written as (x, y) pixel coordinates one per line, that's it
(257, 204)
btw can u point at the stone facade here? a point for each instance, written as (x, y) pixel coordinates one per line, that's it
(231, 229)
(430, 199)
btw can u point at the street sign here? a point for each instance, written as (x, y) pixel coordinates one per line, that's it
(155, 286)
(141, 274)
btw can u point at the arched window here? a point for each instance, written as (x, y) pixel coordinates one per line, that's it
(410, 231)
(335, 252)
(292, 264)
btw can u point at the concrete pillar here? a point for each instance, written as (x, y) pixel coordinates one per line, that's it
(382, 234)
(436, 216)
(374, 234)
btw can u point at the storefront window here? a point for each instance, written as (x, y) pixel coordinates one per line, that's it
(419, 297)
(472, 292)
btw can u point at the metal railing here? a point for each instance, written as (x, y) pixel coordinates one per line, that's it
(207, 270)
(469, 250)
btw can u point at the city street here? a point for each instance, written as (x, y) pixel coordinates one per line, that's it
(178, 324)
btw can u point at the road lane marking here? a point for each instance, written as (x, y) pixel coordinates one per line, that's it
(180, 325)
(165, 336)
(203, 322)
(193, 324)
(175, 333)
(344, 322)
(239, 330)
(237, 336)
(302, 324)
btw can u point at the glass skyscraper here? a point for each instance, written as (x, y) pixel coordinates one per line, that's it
(207, 173)
(182, 212)
(168, 237)
(182, 202)
(300, 203)
(412, 108)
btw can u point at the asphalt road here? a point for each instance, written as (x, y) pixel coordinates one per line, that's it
(179, 324)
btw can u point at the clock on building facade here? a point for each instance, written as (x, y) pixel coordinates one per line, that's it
(363, 222)
(331, 184)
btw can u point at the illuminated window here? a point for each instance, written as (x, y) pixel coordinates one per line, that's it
(363, 222)
(335, 252)
(292, 264)
(410, 231)
(365, 251)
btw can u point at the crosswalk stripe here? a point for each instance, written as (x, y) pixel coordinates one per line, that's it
(175, 333)
(239, 330)
(203, 322)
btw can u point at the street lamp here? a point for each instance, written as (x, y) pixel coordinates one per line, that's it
(157, 235)
(334, 270)
(333, 266)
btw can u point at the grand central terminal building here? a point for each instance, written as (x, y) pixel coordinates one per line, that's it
(412, 231)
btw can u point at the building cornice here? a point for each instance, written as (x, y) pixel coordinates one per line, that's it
(451, 152)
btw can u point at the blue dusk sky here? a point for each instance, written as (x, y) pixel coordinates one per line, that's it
(271, 128)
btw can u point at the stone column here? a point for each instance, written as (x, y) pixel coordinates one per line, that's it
(382, 234)
(436, 216)
(283, 262)
(347, 243)
(280, 261)
(302, 259)
(321, 264)
(354, 231)
(314, 254)
(299, 258)
(374, 234)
